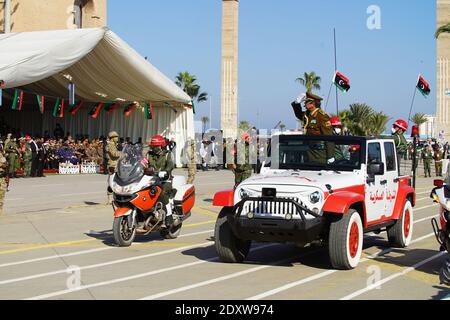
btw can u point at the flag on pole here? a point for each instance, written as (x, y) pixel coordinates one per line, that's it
(129, 109)
(75, 108)
(96, 110)
(110, 108)
(423, 86)
(341, 82)
(40, 100)
(148, 111)
(58, 111)
(17, 100)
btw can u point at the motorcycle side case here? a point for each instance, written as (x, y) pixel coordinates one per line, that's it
(185, 199)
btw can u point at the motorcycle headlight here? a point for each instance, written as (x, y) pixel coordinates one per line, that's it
(315, 197)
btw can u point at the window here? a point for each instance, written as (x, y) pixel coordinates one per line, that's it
(390, 156)
(374, 153)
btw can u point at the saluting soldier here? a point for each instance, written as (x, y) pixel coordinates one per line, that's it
(112, 155)
(427, 157)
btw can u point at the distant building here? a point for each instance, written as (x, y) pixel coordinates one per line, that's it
(37, 15)
(428, 129)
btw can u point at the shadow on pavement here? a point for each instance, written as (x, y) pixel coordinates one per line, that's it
(443, 294)
(107, 238)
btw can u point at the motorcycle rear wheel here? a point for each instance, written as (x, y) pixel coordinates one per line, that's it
(123, 234)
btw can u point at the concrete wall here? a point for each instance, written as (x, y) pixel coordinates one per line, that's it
(443, 70)
(34, 15)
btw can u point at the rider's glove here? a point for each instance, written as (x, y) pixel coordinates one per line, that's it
(330, 161)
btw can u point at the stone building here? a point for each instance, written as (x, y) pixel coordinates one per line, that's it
(33, 15)
(443, 71)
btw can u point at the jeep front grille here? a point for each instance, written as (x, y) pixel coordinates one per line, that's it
(272, 209)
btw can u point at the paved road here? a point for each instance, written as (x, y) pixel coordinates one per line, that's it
(57, 227)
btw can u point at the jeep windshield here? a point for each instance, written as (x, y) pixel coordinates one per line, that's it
(335, 153)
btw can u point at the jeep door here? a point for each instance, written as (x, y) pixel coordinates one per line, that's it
(391, 177)
(375, 190)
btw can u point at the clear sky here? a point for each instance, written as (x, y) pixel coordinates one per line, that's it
(280, 40)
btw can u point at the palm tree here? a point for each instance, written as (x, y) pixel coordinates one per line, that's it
(377, 124)
(359, 116)
(443, 29)
(310, 81)
(419, 119)
(244, 126)
(187, 82)
(205, 121)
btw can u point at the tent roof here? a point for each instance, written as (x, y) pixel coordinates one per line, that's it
(101, 65)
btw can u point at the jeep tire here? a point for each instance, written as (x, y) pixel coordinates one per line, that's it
(229, 248)
(346, 241)
(400, 234)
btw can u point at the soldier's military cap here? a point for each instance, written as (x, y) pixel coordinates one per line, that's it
(312, 97)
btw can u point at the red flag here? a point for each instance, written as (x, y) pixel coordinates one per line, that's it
(129, 109)
(96, 110)
(76, 108)
(112, 107)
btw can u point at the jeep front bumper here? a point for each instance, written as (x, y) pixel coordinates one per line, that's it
(298, 229)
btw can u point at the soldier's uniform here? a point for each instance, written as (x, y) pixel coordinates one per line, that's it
(27, 160)
(243, 169)
(3, 183)
(162, 162)
(427, 157)
(438, 160)
(192, 161)
(401, 144)
(12, 156)
(113, 156)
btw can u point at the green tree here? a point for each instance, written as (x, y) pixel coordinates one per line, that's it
(187, 82)
(419, 119)
(359, 115)
(244, 126)
(443, 29)
(310, 81)
(376, 125)
(205, 121)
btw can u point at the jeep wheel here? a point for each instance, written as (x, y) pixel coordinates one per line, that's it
(346, 241)
(229, 248)
(400, 234)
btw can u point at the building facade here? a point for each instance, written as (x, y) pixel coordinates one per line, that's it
(443, 72)
(229, 91)
(33, 15)
(428, 129)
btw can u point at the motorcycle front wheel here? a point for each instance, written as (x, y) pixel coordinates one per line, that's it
(123, 233)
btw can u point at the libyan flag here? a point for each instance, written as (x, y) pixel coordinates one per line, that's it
(341, 82)
(95, 110)
(129, 109)
(40, 100)
(17, 100)
(148, 111)
(111, 107)
(58, 111)
(423, 87)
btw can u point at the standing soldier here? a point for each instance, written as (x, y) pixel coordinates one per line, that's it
(27, 157)
(438, 160)
(3, 182)
(427, 157)
(12, 154)
(398, 130)
(113, 155)
(242, 168)
(316, 122)
(192, 160)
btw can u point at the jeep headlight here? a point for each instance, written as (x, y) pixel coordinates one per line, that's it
(315, 197)
(244, 194)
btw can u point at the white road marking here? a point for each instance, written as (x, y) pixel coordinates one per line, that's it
(322, 274)
(392, 277)
(80, 194)
(86, 251)
(133, 277)
(426, 219)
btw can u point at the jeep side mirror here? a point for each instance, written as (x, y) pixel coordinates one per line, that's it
(375, 169)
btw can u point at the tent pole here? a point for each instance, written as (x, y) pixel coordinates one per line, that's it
(7, 12)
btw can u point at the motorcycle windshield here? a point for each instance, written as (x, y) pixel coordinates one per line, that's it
(129, 167)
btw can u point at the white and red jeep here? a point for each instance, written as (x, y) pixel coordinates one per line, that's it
(331, 189)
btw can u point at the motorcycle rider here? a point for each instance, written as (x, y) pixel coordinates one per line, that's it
(160, 159)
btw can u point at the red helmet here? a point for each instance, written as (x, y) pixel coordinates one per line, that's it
(336, 122)
(245, 136)
(27, 138)
(158, 141)
(402, 124)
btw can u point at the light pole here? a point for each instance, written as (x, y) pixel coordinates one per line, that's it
(7, 11)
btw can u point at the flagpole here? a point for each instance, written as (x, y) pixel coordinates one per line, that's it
(335, 67)
(412, 104)
(328, 98)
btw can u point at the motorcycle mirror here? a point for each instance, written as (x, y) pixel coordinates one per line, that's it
(438, 183)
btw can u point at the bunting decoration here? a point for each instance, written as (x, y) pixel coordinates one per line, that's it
(40, 100)
(110, 108)
(17, 100)
(129, 109)
(75, 108)
(58, 111)
(96, 110)
(148, 111)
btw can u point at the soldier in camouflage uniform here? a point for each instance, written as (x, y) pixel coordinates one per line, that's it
(27, 158)
(242, 168)
(438, 160)
(12, 155)
(192, 160)
(427, 157)
(112, 155)
(3, 183)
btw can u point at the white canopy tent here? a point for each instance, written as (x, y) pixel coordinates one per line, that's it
(103, 68)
